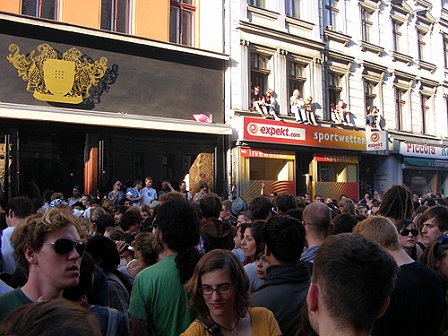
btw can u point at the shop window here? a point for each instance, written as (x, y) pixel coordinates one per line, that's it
(296, 74)
(293, 8)
(397, 36)
(45, 9)
(259, 70)
(331, 13)
(257, 3)
(421, 45)
(182, 21)
(367, 24)
(115, 15)
(336, 172)
(401, 109)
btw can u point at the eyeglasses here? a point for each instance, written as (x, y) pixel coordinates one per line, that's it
(65, 246)
(405, 232)
(442, 240)
(221, 289)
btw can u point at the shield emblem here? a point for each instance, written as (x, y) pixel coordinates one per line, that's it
(59, 76)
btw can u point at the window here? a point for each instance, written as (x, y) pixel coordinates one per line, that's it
(445, 51)
(421, 45)
(370, 93)
(396, 35)
(257, 3)
(366, 25)
(293, 8)
(45, 9)
(334, 87)
(400, 108)
(445, 4)
(331, 13)
(182, 21)
(426, 111)
(296, 74)
(115, 15)
(259, 70)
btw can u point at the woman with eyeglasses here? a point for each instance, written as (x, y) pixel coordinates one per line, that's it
(407, 235)
(218, 290)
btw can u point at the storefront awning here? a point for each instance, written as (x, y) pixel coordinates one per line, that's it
(96, 118)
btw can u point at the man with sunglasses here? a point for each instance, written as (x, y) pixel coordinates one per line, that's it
(417, 304)
(48, 249)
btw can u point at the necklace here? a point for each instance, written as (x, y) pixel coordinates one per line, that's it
(231, 330)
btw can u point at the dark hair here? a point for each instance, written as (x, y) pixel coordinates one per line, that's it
(21, 205)
(48, 318)
(179, 225)
(260, 207)
(397, 203)
(256, 227)
(89, 197)
(104, 252)
(215, 260)
(296, 213)
(102, 222)
(130, 218)
(357, 276)
(435, 251)
(137, 182)
(210, 205)
(284, 237)
(440, 215)
(121, 209)
(344, 223)
(285, 202)
(85, 285)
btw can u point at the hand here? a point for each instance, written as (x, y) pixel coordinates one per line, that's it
(122, 247)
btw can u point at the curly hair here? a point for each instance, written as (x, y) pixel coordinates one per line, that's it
(33, 230)
(179, 225)
(216, 260)
(397, 203)
(147, 243)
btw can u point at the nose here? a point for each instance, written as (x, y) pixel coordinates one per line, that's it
(215, 295)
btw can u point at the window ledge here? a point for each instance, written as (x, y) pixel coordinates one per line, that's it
(299, 23)
(336, 36)
(396, 56)
(367, 46)
(262, 12)
(427, 66)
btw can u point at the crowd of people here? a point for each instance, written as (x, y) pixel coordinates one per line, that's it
(172, 263)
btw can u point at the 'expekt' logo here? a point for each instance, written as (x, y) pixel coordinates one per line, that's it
(374, 138)
(275, 131)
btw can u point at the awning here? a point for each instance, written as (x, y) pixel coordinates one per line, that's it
(97, 118)
(428, 163)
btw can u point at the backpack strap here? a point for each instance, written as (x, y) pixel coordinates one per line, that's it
(209, 325)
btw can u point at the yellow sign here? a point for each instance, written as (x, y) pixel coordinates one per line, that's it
(55, 77)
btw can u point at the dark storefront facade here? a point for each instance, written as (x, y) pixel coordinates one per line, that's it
(84, 107)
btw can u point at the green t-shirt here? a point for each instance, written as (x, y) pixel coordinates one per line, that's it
(12, 300)
(159, 298)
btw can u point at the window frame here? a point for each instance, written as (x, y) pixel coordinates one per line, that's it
(331, 12)
(295, 80)
(257, 3)
(259, 75)
(293, 8)
(39, 8)
(184, 35)
(400, 95)
(397, 35)
(421, 44)
(366, 25)
(119, 21)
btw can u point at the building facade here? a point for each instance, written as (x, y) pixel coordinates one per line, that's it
(95, 91)
(387, 54)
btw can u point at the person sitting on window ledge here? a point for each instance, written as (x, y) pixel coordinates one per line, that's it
(270, 106)
(297, 107)
(257, 101)
(373, 119)
(344, 113)
(309, 111)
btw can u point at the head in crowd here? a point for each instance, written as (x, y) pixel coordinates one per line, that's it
(99, 211)
(210, 205)
(47, 195)
(230, 271)
(344, 223)
(131, 221)
(251, 240)
(284, 238)
(104, 252)
(296, 213)
(238, 206)
(436, 256)
(114, 232)
(21, 206)
(317, 218)
(29, 237)
(224, 214)
(86, 200)
(48, 318)
(204, 187)
(285, 202)
(178, 229)
(103, 222)
(434, 222)
(118, 213)
(261, 208)
(107, 204)
(397, 203)
(381, 230)
(351, 283)
(172, 196)
(407, 236)
(347, 206)
(318, 198)
(146, 243)
(244, 217)
(57, 195)
(138, 184)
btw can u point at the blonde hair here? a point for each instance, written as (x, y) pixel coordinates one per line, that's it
(381, 230)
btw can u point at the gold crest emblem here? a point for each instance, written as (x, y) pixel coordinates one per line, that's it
(56, 77)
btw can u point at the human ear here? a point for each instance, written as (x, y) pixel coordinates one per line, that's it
(386, 305)
(436, 262)
(30, 255)
(312, 299)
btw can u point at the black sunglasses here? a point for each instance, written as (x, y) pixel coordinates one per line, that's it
(65, 246)
(405, 232)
